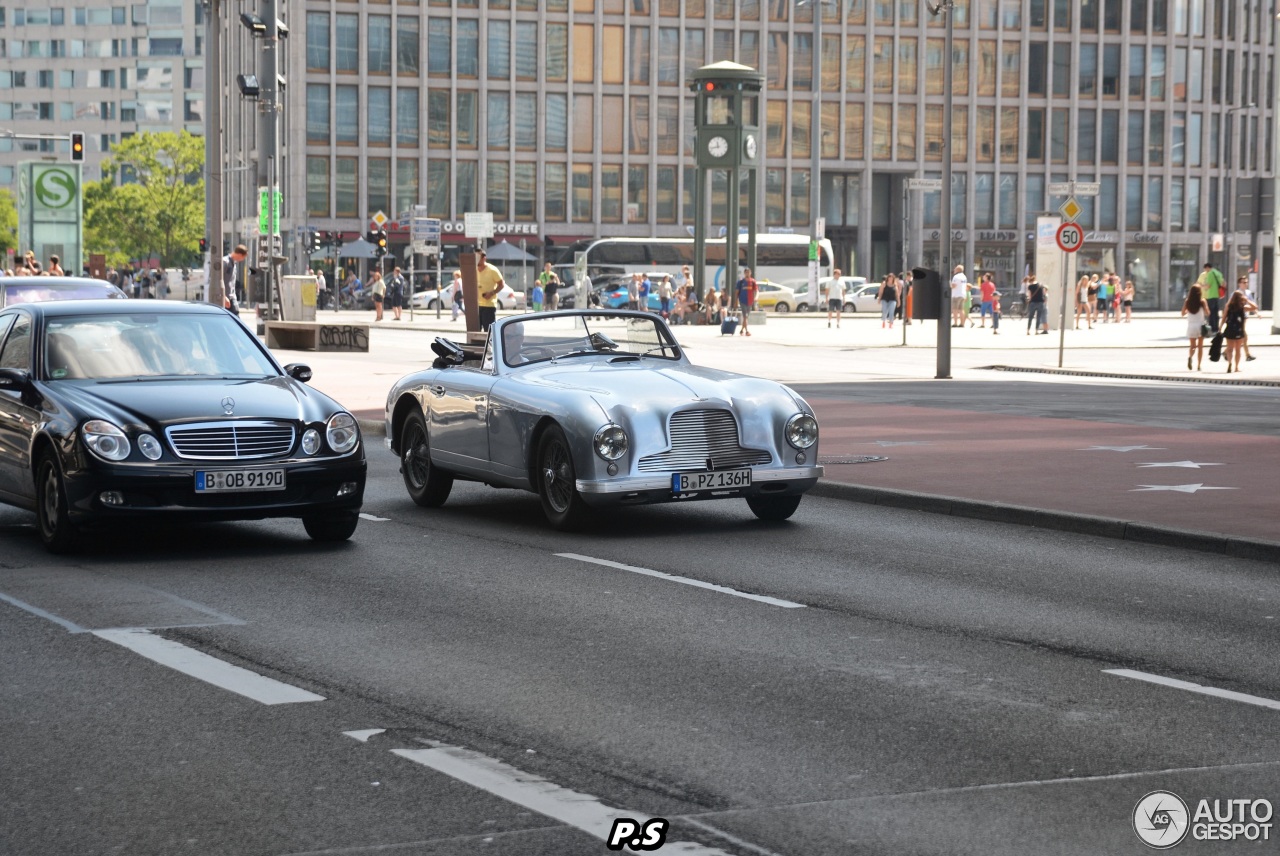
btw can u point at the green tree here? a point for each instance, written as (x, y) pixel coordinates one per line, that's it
(150, 201)
(8, 223)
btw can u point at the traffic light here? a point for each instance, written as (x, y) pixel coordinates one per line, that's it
(380, 241)
(204, 246)
(77, 146)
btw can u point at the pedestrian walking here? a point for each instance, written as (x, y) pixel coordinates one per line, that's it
(232, 270)
(1242, 287)
(1195, 311)
(995, 314)
(643, 287)
(455, 298)
(1037, 308)
(489, 282)
(1233, 319)
(835, 296)
(986, 288)
(888, 297)
(1082, 302)
(1210, 282)
(664, 295)
(746, 298)
(959, 291)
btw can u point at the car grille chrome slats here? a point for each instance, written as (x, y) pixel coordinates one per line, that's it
(699, 435)
(232, 441)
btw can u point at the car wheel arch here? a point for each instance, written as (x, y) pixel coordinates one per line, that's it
(404, 406)
(531, 453)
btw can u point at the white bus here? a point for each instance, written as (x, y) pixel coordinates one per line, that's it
(778, 257)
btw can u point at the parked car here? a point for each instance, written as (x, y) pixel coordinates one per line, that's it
(36, 289)
(115, 410)
(508, 298)
(615, 295)
(771, 295)
(598, 408)
(852, 284)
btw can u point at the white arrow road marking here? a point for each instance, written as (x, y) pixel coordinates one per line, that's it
(772, 601)
(211, 670)
(1230, 695)
(1120, 448)
(364, 516)
(581, 811)
(1180, 488)
(364, 734)
(1190, 465)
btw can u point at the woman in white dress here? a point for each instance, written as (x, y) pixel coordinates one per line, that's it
(1194, 310)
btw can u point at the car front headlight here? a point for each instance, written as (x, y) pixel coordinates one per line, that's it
(105, 440)
(342, 432)
(150, 447)
(611, 442)
(802, 431)
(310, 441)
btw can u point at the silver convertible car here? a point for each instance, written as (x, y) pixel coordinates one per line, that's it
(595, 408)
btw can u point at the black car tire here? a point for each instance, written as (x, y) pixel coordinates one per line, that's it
(803, 307)
(332, 527)
(782, 308)
(774, 507)
(849, 307)
(57, 531)
(427, 484)
(555, 475)
(433, 304)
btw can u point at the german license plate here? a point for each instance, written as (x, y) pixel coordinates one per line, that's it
(225, 481)
(714, 480)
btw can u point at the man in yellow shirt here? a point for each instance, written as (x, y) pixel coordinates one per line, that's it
(488, 283)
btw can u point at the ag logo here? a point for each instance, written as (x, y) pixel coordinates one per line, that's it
(55, 188)
(1160, 819)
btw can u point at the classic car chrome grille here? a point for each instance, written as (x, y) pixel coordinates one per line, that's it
(697, 435)
(231, 441)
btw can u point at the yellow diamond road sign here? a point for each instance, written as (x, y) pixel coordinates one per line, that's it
(1071, 209)
(379, 219)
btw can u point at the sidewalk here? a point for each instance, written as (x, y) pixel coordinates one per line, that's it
(1149, 471)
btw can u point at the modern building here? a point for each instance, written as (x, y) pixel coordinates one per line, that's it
(572, 118)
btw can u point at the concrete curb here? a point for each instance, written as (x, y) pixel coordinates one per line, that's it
(1000, 512)
(1086, 524)
(1225, 380)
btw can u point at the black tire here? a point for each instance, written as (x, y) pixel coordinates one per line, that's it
(781, 308)
(849, 307)
(803, 307)
(332, 527)
(427, 484)
(555, 475)
(57, 531)
(433, 304)
(774, 507)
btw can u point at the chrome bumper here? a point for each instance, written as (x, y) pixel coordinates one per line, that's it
(636, 484)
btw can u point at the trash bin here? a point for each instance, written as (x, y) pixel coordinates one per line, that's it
(926, 294)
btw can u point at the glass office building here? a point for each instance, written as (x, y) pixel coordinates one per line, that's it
(572, 118)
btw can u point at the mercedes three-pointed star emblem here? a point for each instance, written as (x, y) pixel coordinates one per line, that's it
(228, 405)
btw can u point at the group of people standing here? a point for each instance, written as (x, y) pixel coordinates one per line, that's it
(1103, 298)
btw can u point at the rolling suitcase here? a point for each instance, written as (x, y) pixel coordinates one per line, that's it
(729, 325)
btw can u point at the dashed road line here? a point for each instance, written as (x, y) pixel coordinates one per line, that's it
(366, 516)
(579, 810)
(648, 572)
(1230, 695)
(209, 669)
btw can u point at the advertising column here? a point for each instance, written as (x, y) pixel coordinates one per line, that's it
(1049, 268)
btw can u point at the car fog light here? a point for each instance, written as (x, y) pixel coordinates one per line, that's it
(150, 447)
(311, 442)
(801, 457)
(346, 488)
(802, 431)
(111, 497)
(612, 469)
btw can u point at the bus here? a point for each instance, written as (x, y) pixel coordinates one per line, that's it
(778, 257)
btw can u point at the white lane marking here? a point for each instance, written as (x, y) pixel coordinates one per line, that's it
(364, 516)
(48, 616)
(205, 668)
(364, 734)
(1195, 688)
(772, 601)
(1186, 465)
(1180, 488)
(1122, 449)
(535, 793)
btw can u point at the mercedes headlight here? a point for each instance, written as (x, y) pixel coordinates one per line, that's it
(802, 431)
(310, 441)
(150, 447)
(342, 432)
(611, 442)
(105, 440)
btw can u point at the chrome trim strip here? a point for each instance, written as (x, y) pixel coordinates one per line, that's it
(633, 484)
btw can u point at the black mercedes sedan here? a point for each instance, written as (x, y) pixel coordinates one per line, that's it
(151, 409)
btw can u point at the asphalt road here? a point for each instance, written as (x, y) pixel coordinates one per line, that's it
(898, 683)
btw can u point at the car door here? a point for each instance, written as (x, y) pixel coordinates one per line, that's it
(458, 405)
(18, 419)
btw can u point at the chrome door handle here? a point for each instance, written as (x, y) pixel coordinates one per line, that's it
(437, 390)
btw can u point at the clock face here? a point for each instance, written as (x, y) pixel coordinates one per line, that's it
(750, 146)
(717, 147)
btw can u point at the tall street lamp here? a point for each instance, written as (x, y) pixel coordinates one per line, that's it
(944, 244)
(815, 140)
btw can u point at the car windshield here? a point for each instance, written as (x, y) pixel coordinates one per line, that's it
(106, 347)
(38, 293)
(540, 338)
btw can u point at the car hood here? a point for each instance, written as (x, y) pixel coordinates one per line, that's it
(647, 382)
(158, 403)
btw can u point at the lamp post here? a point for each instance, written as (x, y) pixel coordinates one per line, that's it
(1275, 177)
(213, 147)
(1231, 251)
(944, 245)
(815, 142)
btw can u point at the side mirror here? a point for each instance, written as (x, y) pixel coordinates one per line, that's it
(15, 379)
(299, 372)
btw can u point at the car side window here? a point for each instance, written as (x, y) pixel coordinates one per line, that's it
(6, 321)
(17, 346)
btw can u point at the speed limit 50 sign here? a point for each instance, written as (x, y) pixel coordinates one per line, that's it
(1070, 237)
